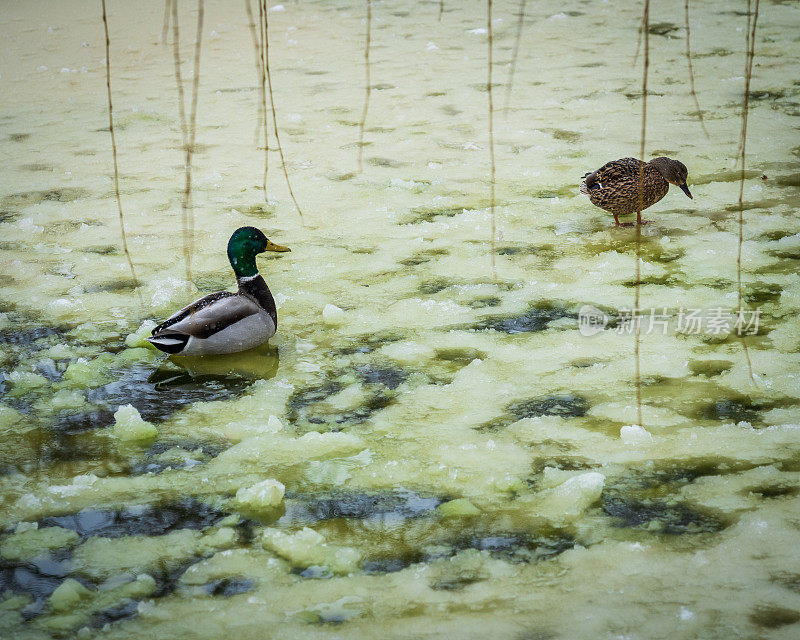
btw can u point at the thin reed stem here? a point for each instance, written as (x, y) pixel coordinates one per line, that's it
(193, 123)
(638, 41)
(637, 292)
(275, 117)
(514, 54)
(367, 88)
(490, 60)
(165, 23)
(251, 22)
(114, 154)
(750, 41)
(691, 69)
(441, 9)
(262, 19)
(188, 130)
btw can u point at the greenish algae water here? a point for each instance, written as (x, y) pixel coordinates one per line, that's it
(458, 459)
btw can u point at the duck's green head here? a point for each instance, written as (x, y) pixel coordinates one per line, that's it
(243, 247)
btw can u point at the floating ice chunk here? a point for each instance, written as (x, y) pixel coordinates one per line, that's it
(458, 508)
(67, 399)
(68, 594)
(409, 185)
(129, 425)
(82, 373)
(552, 477)
(137, 338)
(634, 434)
(479, 31)
(348, 398)
(9, 416)
(568, 501)
(408, 352)
(79, 485)
(332, 315)
(274, 424)
(431, 46)
(277, 7)
(261, 497)
(24, 381)
(307, 547)
(686, 614)
(328, 472)
(330, 442)
(29, 541)
(57, 352)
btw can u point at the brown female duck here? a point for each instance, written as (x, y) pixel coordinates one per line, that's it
(615, 186)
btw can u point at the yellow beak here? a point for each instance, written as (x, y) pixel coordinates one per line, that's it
(271, 246)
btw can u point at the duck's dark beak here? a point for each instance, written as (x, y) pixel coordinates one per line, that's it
(685, 189)
(271, 246)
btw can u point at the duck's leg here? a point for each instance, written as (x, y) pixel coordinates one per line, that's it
(616, 219)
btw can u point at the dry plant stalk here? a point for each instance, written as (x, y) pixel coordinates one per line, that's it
(262, 11)
(750, 41)
(514, 55)
(188, 130)
(367, 89)
(114, 154)
(645, 29)
(491, 129)
(441, 9)
(691, 69)
(275, 116)
(639, 40)
(251, 22)
(165, 24)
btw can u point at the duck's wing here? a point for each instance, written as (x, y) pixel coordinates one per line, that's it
(621, 169)
(208, 315)
(610, 173)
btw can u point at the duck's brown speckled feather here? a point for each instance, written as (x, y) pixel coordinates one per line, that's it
(615, 186)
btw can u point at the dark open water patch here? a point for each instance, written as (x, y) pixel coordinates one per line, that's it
(429, 214)
(380, 382)
(536, 318)
(156, 395)
(657, 516)
(37, 579)
(388, 376)
(141, 520)
(227, 587)
(736, 410)
(367, 343)
(565, 405)
(390, 509)
(202, 451)
(512, 547)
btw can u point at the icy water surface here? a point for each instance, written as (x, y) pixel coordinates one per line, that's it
(459, 460)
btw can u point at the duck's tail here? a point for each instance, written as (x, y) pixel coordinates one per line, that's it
(171, 343)
(589, 182)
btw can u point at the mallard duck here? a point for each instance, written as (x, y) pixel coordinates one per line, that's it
(615, 186)
(225, 322)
